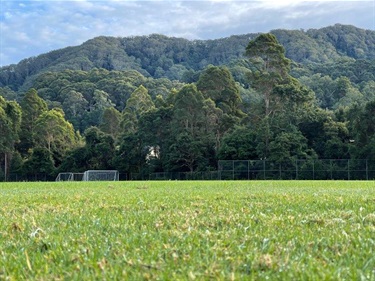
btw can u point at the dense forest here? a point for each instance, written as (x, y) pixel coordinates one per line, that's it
(153, 103)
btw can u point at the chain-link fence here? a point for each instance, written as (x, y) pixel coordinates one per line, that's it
(212, 175)
(15, 177)
(317, 169)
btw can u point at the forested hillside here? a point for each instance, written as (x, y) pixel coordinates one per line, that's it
(153, 103)
(176, 58)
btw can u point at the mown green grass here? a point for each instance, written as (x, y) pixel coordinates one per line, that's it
(276, 230)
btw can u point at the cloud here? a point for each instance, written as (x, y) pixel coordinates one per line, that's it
(29, 28)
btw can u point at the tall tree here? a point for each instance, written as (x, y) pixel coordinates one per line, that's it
(55, 134)
(361, 127)
(155, 130)
(131, 154)
(100, 149)
(110, 122)
(32, 107)
(188, 114)
(10, 121)
(285, 99)
(75, 107)
(138, 103)
(193, 139)
(217, 83)
(271, 66)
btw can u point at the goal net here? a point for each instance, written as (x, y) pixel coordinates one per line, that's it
(101, 175)
(64, 177)
(68, 176)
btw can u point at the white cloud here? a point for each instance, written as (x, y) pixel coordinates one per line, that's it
(45, 25)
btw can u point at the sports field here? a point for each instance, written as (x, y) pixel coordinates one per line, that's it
(188, 230)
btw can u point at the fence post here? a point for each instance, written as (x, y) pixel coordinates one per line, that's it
(348, 169)
(248, 169)
(313, 169)
(330, 167)
(296, 169)
(264, 169)
(233, 169)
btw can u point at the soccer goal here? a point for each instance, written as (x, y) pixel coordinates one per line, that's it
(64, 177)
(68, 176)
(101, 175)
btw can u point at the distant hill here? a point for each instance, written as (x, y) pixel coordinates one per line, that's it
(160, 56)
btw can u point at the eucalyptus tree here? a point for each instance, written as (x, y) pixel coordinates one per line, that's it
(193, 127)
(110, 122)
(32, 107)
(10, 121)
(138, 103)
(156, 132)
(75, 107)
(55, 134)
(287, 103)
(217, 84)
(271, 67)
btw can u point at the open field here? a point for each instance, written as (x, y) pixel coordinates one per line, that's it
(235, 230)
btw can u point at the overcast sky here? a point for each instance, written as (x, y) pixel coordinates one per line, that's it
(29, 28)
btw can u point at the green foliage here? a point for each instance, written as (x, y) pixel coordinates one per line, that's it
(288, 146)
(96, 154)
(100, 149)
(271, 67)
(110, 123)
(176, 58)
(361, 125)
(193, 127)
(84, 95)
(188, 115)
(185, 154)
(32, 107)
(239, 144)
(54, 133)
(39, 162)
(217, 83)
(156, 132)
(10, 122)
(8, 93)
(347, 39)
(138, 103)
(131, 155)
(159, 104)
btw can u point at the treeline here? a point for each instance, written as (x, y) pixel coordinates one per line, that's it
(253, 109)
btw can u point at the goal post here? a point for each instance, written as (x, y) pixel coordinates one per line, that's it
(101, 175)
(64, 177)
(69, 176)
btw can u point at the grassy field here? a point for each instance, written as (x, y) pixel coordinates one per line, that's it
(253, 230)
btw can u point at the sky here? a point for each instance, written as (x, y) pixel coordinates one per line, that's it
(33, 27)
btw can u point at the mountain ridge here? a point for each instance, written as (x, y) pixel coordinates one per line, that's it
(158, 56)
